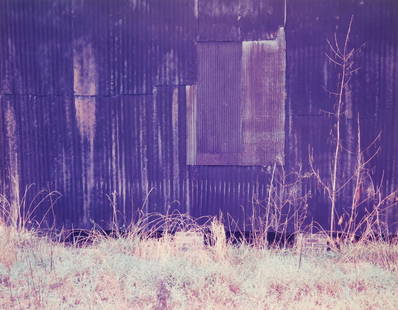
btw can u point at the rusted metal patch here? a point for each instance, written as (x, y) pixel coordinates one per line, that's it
(240, 107)
(14, 161)
(85, 79)
(85, 108)
(263, 86)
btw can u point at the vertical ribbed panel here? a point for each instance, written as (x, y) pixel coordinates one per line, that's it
(166, 145)
(120, 158)
(219, 99)
(35, 56)
(46, 154)
(174, 58)
(372, 91)
(229, 190)
(263, 100)
(126, 42)
(191, 126)
(238, 115)
(238, 20)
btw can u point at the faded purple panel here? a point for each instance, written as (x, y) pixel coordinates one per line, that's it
(174, 59)
(309, 22)
(314, 134)
(36, 51)
(310, 79)
(138, 153)
(128, 47)
(191, 126)
(237, 20)
(231, 191)
(218, 20)
(166, 150)
(263, 101)
(109, 38)
(117, 159)
(219, 99)
(41, 132)
(260, 19)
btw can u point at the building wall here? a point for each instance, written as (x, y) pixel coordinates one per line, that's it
(93, 98)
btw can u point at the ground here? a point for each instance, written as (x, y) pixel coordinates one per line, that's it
(134, 273)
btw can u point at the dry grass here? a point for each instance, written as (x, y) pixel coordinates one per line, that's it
(134, 273)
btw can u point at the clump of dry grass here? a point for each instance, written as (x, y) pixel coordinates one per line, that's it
(145, 273)
(382, 254)
(7, 246)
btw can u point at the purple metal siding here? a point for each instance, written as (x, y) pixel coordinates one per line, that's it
(36, 54)
(94, 97)
(167, 172)
(219, 99)
(373, 89)
(100, 57)
(135, 45)
(227, 190)
(118, 157)
(238, 20)
(42, 153)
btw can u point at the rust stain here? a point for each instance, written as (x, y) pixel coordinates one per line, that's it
(175, 125)
(11, 132)
(191, 95)
(263, 86)
(143, 155)
(84, 69)
(85, 117)
(86, 122)
(9, 70)
(167, 71)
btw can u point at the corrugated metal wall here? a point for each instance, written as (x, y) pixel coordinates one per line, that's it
(372, 93)
(93, 98)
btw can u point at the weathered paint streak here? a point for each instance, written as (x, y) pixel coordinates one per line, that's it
(175, 139)
(191, 94)
(84, 69)
(13, 155)
(86, 123)
(85, 83)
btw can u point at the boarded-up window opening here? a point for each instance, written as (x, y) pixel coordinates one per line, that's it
(236, 111)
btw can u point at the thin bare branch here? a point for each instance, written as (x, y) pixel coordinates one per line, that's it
(333, 61)
(330, 91)
(337, 44)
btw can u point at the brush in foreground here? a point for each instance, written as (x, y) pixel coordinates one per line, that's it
(134, 273)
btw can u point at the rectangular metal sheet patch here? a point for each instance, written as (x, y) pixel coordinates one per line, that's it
(237, 112)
